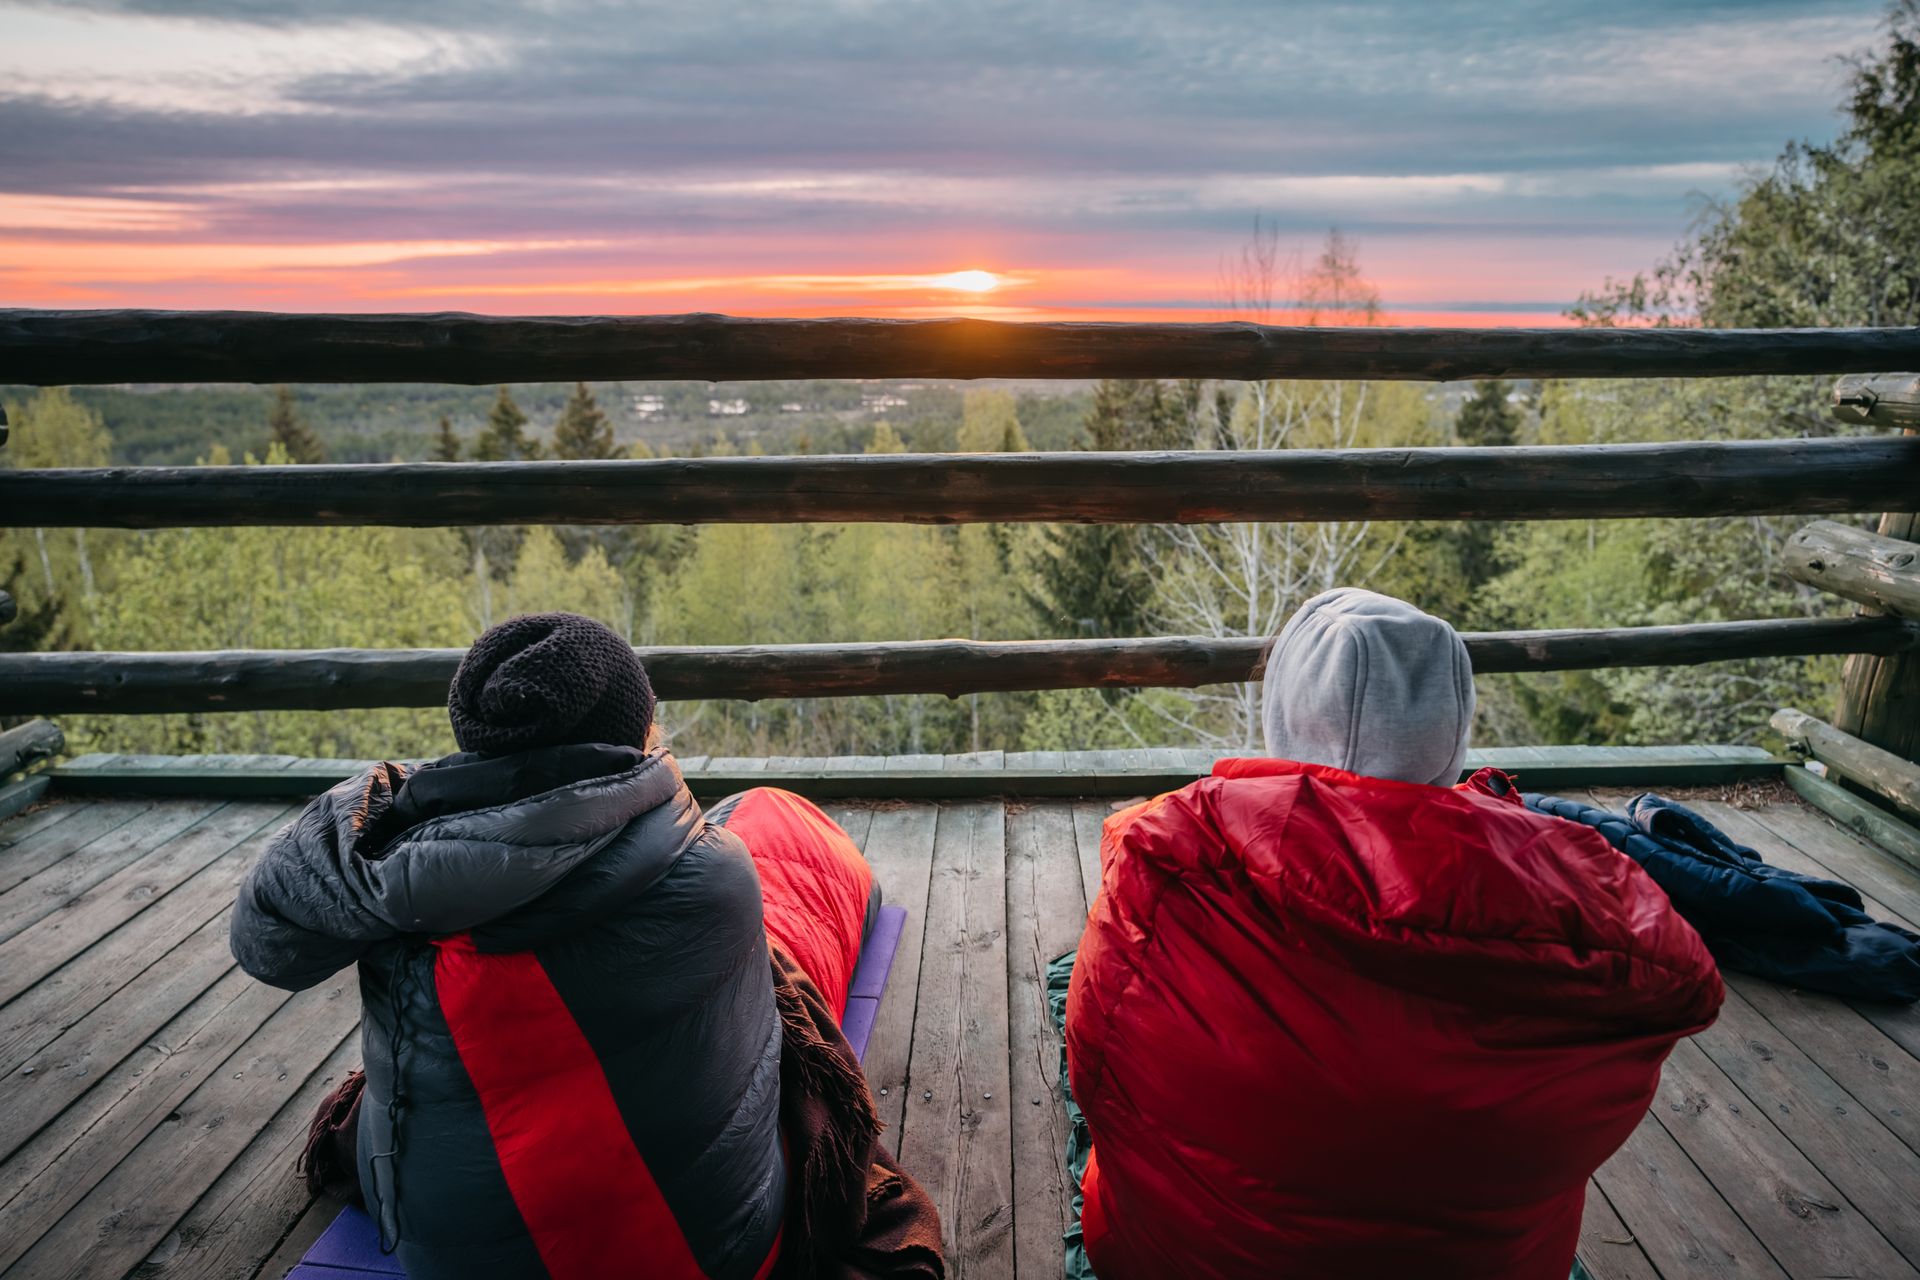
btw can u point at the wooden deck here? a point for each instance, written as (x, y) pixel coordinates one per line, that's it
(152, 1098)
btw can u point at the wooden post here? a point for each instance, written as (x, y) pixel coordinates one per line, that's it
(1881, 772)
(1883, 573)
(1880, 694)
(1878, 399)
(28, 744)
(23, 747)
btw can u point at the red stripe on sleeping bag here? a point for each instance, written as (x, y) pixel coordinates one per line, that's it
(587, 1196)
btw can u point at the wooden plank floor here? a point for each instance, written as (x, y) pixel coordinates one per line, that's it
(152, 1098)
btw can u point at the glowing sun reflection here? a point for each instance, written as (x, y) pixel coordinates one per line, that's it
(967, 281)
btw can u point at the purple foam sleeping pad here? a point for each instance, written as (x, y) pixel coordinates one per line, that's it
(349, 1249)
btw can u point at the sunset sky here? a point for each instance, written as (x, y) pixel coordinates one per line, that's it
(1092, 159)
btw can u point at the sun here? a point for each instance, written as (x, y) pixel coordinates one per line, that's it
(968, 281)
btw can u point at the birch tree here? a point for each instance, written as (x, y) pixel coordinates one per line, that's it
(55, 430)
(1246, 579)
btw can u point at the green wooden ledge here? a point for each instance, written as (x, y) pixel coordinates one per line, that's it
(1039, 774)
(1860, 816)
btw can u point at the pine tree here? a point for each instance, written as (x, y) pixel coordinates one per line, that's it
(286, 428)
(505, 437)
(583, 430)
(1487, 418)
(446, 445)
(1091, 579)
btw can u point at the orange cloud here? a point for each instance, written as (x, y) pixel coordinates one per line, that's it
(146, 253)
(970, 280)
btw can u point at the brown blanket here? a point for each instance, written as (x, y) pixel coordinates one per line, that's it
(327, 1162)
(852, 1213)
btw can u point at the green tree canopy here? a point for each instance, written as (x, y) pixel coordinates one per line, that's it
(885, 439)
(55, 430)
(990, 423)
(275, 588)
(1829, 235)
(41, 623)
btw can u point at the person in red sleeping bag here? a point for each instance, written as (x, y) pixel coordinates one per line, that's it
(1335, 1017)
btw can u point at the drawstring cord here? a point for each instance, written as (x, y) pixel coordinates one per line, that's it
(389, 1198)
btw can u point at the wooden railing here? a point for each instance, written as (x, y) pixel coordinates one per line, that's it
(1579, 482)
(1584, 482)
(80, 347)
(325, 679)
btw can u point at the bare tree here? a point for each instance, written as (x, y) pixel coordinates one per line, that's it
(1246, 579)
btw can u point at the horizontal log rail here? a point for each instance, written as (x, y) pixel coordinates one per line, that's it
(28, 744)
(78, 347)
(1881, 772)
(1544, 483)
(331, 679)
(1880, 400)
(1865, 567)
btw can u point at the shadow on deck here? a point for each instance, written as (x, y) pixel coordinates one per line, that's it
(152, 1098)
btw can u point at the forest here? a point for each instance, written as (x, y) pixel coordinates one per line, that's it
(1827, 235)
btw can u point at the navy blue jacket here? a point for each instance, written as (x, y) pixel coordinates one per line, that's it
(1756, 918)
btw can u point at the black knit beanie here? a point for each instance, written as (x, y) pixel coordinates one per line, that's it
(548, 680)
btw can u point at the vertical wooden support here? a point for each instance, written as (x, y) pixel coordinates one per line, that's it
(9, 609)
(1880, 696)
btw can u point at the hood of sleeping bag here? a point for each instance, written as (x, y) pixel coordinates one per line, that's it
(571, 1043)
(1755, 918)
(1329, 1025)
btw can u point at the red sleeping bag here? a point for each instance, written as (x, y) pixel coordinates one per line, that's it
(813, 881)
(1329, 1025)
